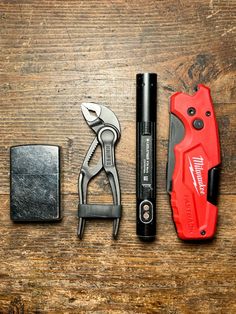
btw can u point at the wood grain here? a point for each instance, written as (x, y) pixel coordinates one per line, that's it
(55, 55)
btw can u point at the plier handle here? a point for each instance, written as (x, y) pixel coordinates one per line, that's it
(106, 126)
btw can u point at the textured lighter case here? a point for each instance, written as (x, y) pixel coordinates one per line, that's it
(35, 183)
(194, 157)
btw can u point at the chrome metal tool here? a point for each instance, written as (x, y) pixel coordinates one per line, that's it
(107, 129)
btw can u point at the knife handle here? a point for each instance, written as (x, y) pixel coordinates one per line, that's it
(194, 181)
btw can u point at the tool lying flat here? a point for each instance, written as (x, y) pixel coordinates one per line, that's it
(146, 104)
(193, 159)
(107, 128)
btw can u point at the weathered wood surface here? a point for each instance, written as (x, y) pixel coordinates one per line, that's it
(56, 54)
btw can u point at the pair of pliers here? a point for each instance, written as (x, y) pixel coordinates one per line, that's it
(107, 129)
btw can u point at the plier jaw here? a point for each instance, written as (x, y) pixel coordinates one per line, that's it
(107, 128)
(98, 116)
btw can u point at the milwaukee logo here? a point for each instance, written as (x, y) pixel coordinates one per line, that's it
(196, 167)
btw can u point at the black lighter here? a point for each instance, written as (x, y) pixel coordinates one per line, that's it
(146, 94)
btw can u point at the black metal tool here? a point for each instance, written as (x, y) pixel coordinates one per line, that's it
(107, 128)
(146, 88)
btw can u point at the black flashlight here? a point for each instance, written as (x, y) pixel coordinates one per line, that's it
(146, 102)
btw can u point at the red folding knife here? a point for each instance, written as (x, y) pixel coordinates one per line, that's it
(193, 160)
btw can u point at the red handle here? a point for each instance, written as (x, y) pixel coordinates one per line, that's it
(194, 215)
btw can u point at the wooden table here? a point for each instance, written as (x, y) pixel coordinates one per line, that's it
(57, 54)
